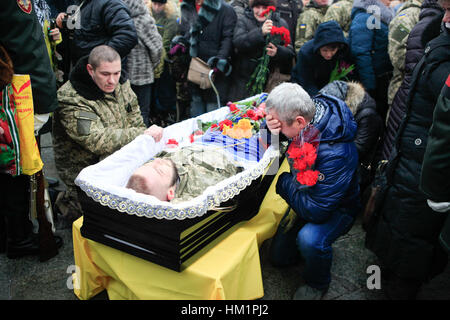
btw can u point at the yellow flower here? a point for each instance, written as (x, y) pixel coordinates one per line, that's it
(244, 124)
(243, 129)
(225, 129)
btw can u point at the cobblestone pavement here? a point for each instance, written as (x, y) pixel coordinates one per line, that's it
(27, 278)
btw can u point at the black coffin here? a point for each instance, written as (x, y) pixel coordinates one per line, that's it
(169, 243)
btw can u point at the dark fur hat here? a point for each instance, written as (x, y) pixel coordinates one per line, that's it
(6, 68)
(252, 3)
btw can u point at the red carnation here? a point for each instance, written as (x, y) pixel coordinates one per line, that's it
(283, 33)
(267, 11)
(250, 113)
(172, 141)
(299, 164)
(294, 151)
(233, 108)
(226, 122)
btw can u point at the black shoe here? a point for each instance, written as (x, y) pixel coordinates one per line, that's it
(27, 247)
(31, 249)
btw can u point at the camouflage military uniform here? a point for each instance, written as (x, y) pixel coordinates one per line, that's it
(399, 28)
(199, 167)
(340, 12)
(307, 23)
(87, 130)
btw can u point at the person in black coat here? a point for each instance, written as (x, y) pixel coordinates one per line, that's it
(404, 233)
(369, 121)
(24, 52)
(318, 57)
(97, 22)
(249, 45)
(426, 29)
(435, 175)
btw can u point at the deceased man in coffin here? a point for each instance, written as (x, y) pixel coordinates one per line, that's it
(164, 201)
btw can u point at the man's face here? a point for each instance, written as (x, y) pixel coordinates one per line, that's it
(290, 131)
(257, 10)
(446, 19)
(106, 75)
(159, 175)
(157, 7)
(387, 3)
(328, 52)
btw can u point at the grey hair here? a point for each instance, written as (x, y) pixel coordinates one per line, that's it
(102, 53)
(290, 100)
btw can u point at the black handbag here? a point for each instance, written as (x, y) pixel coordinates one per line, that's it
(378, 190)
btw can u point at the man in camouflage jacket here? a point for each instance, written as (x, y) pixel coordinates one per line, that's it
(308, 21)
(400, 26)
(340, 12)
(95, 118)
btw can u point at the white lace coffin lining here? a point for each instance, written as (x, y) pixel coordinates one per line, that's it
(105, 181)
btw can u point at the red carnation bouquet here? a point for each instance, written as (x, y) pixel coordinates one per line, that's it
(277, 36)
(302, 155)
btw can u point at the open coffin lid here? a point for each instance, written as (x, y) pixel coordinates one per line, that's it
(167, 233)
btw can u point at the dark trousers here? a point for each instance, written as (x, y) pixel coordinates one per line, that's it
(144, 95)
(15, 205)
(380, 94)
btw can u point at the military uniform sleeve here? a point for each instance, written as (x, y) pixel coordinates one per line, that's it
(398, 37)
(306, 27)
(340, 12)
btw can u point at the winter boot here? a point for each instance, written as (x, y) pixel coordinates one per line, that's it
(21, 241)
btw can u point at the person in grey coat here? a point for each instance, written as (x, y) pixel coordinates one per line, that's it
(145, 56)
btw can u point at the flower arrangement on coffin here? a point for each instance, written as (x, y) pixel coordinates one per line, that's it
(303, 154)
(341, 71)
(243, 121)
(277, 36)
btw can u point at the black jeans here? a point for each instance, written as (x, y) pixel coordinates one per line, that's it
(144, 95)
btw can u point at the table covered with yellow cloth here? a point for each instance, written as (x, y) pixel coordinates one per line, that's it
(227, 268)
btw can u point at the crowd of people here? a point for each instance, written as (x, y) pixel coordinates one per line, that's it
(366, 73)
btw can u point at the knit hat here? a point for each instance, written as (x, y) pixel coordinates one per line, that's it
(253, 3)
(160, 1)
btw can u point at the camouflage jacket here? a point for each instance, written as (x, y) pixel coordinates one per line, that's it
(199, 167)
(340, 12)
(400, 26)
(307, 23)
(90, 125)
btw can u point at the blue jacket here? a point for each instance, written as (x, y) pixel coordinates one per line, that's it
(312, 71)
(337, 162)
(369, 41)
